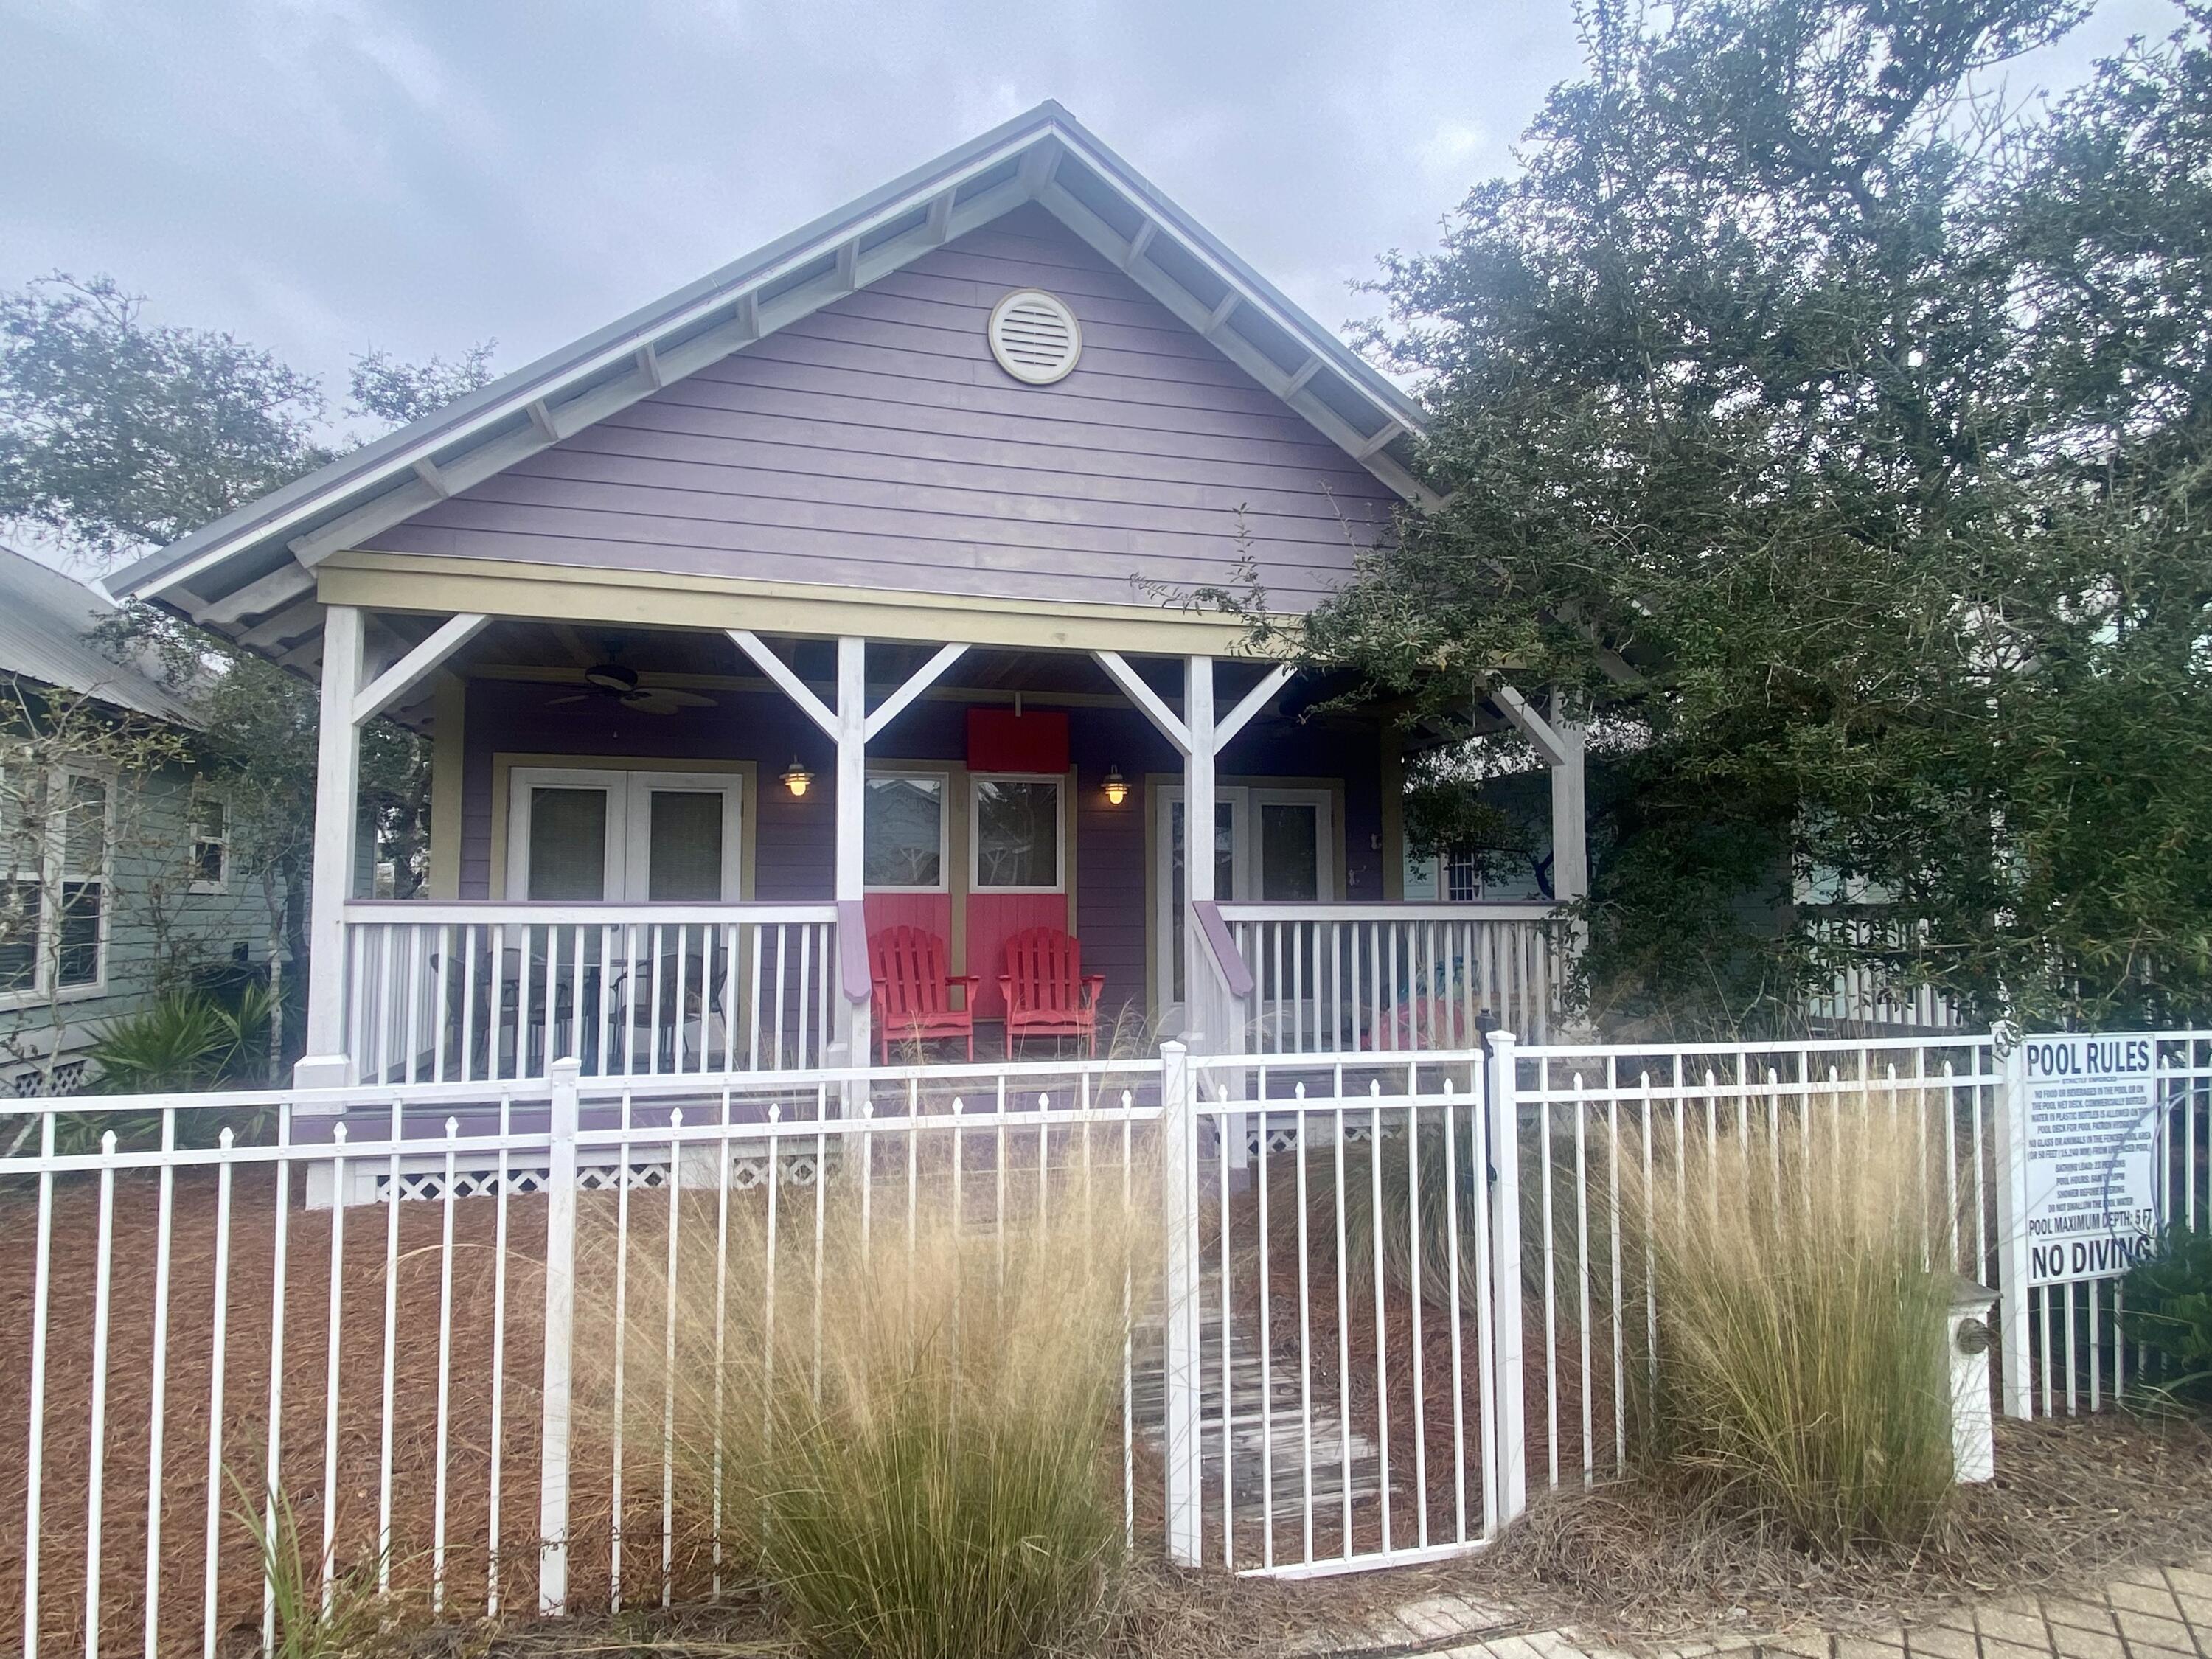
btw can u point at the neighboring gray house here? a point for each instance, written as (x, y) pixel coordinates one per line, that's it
(118, 858)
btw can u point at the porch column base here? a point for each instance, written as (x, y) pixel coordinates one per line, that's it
(321, 1071)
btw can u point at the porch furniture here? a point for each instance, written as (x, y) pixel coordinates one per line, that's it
(1047, 991)
(498, 1036)
(660, 1026)
(912, 990)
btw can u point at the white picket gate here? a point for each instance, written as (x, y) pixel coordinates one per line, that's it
(1391, 1296)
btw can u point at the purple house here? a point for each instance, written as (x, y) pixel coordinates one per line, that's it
(843, 590)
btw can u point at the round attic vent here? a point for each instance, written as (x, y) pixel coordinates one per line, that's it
(1034, 337)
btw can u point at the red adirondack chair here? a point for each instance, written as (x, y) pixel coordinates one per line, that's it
(913, 991)
(1047, 991)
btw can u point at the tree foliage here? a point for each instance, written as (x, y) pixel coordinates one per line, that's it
(398, 392)
(117, 435)
(1834, 431)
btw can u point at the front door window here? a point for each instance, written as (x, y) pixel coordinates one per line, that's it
(904, 843)
(1276, 846)
(683, 845)
(569, 830)
(1290, 850)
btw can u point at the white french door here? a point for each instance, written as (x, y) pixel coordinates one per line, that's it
(1271, 845)
(576, 836)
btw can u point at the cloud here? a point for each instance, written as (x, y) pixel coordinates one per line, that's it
(319, 175)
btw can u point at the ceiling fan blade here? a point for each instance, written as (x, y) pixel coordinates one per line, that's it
(579, 696)
(680, 699)
(653, 702)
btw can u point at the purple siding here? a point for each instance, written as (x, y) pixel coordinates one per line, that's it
(795, 838)
(876, 444)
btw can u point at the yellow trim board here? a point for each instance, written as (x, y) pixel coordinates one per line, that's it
(413, 581)
(504, 763)
(448, 722)
(1394, 815)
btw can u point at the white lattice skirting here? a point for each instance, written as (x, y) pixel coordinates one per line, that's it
(369, 1180)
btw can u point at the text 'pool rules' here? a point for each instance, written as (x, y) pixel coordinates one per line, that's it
(2090, 1118)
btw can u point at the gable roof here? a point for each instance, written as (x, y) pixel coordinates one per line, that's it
(44, 618)
(260, 561)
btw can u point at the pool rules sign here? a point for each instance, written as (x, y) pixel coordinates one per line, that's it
(2089, 1113)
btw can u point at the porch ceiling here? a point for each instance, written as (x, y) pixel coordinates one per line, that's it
(559, 653)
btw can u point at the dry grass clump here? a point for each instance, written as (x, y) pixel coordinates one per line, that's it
(908, 1445)
(1799, 1377)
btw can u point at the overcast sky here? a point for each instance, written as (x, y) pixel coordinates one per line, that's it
(323, 177)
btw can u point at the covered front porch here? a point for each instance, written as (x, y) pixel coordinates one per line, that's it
(667, 851)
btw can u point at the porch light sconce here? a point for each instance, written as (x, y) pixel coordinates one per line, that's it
(1117, 787)
(797, 778)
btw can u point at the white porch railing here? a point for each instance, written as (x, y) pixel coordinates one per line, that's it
(1862, 994)
(1389, 978)
(474, 992)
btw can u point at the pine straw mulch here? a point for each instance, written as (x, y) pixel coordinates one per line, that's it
(2074, 1503)
(1163, 1613)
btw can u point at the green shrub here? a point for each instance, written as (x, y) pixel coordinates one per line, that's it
(1799, 1375)
(2165, 1303)
(187, 1041)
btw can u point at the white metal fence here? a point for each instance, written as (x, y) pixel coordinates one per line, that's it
(1356, 1382)
(1390, 1292)
(180, 1339)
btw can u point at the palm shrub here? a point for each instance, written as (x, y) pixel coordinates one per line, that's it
(187, 1040)
(1799, 1376)
(909, 1443)
(2166, 1303)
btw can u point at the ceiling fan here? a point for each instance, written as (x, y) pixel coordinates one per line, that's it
(613, 680)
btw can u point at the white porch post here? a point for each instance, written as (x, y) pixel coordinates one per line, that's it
(346, 703)
(337, 810)
(850, 886)
(1569, 810)
(849, 725)
(1202, 1001)
(1560, 741)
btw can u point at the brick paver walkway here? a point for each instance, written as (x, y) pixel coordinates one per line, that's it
(2152, 1612)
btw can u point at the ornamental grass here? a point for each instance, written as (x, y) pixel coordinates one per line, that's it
(911, 1448)
(1799, 1376)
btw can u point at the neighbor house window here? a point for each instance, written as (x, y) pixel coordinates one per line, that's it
(23, 850)
(210, 844)
(56, 828)
(1463, 877)
(1018, 835)
(904, 834)
(81, 922)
